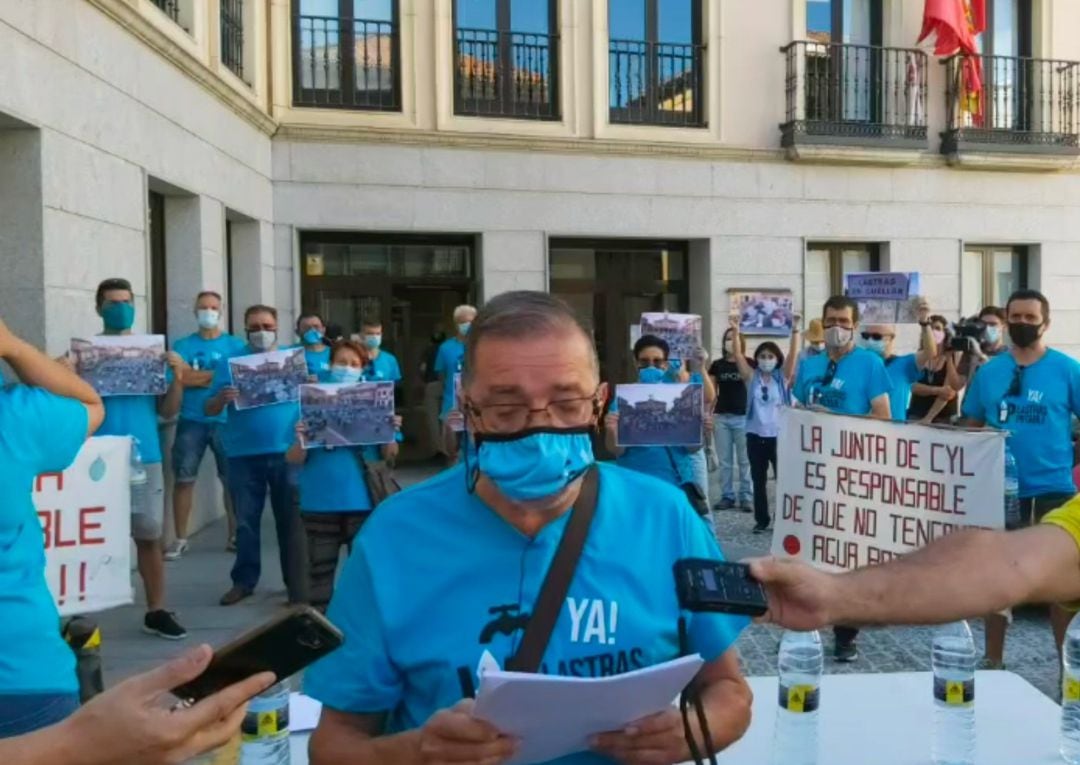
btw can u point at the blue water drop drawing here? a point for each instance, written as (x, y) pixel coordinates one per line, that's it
(97, 469)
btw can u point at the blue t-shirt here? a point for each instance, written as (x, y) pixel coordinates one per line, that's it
(384, 368)
(203, 355)
(859, 378)
(448, 362)
(41, 433)
(318, 362)
(903, 372)
(135, 416)
(332, 481)
(262, 430)
(1038, 419)
(453, 596)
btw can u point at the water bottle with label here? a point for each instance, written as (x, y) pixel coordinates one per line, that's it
(1070, 694)
(800, 665)
(954, 695)
(139, 480)
(1012, 490)
(265, 730)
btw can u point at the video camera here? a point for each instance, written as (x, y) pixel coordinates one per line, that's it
(968, 334)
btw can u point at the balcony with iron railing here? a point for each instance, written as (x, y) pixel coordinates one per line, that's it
(656, 83)
(344, 63)
(1024, 106)
(170, 8)
(854, 96)
(506, 74)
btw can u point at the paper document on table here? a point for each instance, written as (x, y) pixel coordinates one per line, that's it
(304, 713)
(553, 716)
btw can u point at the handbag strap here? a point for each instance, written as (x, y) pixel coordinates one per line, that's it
(557, 581)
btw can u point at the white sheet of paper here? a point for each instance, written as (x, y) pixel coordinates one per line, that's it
(554, 716)
(304, 713)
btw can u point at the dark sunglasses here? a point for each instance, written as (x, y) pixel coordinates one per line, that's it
(764, 393)
(1016, 386)
(875, 336)
(645, 363)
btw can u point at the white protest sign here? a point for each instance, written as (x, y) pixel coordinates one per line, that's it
(85, 515)
(854, 491)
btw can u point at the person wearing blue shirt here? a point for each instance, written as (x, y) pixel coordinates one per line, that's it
(449, 362)
(195, 431)
(444, 574)
(903, 370)
(844, 380)
(255, 441)
(334, 498)
(381, 365)
(311, 329)
(137, 416)
(671, 464)
(46, 418)
(1032, 392)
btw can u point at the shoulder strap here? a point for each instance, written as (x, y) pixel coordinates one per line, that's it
(557, 582)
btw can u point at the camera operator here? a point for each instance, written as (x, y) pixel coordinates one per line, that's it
(934, 397)
(991, 323)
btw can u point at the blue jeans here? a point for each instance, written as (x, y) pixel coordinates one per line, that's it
(249, 480)
(730, 434)
(24, 713)
(700, 466)
(189, 447)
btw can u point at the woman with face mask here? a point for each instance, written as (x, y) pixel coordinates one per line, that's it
(729, 426)
(934, 397)
(767, 393)
(334, 499)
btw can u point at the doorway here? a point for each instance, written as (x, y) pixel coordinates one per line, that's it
(411, 283)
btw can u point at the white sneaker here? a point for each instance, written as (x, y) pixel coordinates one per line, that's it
(176, 549)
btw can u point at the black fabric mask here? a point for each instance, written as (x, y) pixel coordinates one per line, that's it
(1024, 335)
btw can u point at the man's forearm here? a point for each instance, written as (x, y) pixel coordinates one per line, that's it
(198, 378)
(170, 404)
(965, 574)
(214, 406)
(353, 747)
(727, 708)
(35, 368)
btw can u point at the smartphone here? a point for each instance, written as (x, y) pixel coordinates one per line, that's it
(714, 586)
(284, 646)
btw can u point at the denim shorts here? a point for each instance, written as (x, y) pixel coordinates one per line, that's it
(24, 713)
(189, 447)
(148, 514)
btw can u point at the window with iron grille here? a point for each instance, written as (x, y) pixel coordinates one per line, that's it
(656, 62)
(232, 36)
(170, 8)
(347, 54)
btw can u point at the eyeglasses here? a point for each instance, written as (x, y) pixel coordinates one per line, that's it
(646, 363)
(876, 336)
(562, 413)
(1016, 386)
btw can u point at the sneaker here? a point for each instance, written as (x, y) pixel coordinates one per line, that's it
(759, 529)
(987, 663)
(163, 624)
(724, 504)
(846, 652)
(230, 546)
(747, 507)
(234, 596)
(176, 549)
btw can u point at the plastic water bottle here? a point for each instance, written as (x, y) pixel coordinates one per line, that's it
(954, 695)
(266, 728)
(1012, 490)
(1070, 695)
(800, 664)
(139, 480)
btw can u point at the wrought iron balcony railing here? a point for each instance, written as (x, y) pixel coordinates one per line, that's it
(656, 83)
(506, 74)
(844, 94)
(344, 63)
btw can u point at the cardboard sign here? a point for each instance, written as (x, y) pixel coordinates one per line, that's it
(854, 491)
(85, 515)
(884, 298)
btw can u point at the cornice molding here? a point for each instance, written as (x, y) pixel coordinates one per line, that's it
(134, 22)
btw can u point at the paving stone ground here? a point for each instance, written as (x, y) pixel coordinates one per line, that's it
(197, 581)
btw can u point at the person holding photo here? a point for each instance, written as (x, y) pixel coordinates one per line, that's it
(334, 498)
(767, 392)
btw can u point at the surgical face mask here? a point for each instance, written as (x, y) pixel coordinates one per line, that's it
(817, 347)
(650, 375)
(262, 339)
(993, 335)
(207, 318)
(464, 327)
(343, 373)
(766, 364)
(118, 317)
(938, 335)
(727, 347)
(838, 337)
(312, 337)
(534, 464)
(877, 346)
(1024, 335)
(372, 341)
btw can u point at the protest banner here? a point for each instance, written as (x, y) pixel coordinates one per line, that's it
(855, 491)
(85, 515)
(885, 298)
